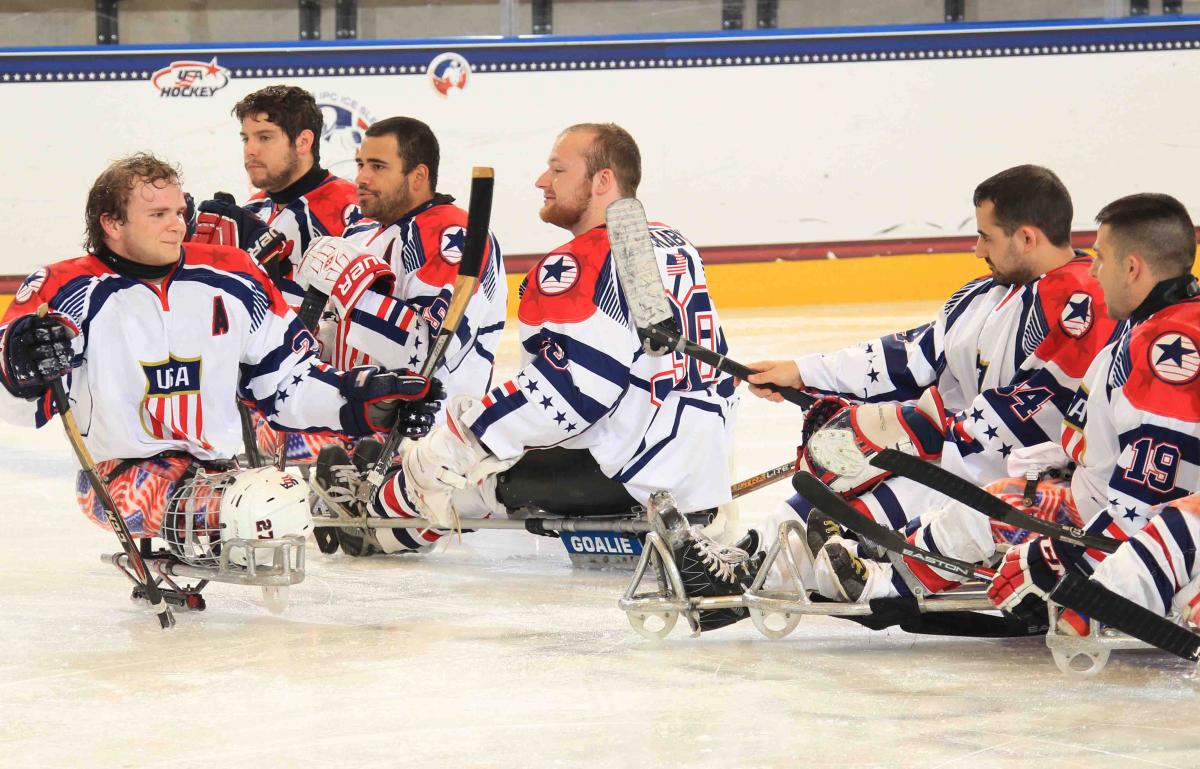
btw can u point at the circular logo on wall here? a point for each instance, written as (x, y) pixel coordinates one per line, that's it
(1173, 358)
(448, 71)
(344, 124)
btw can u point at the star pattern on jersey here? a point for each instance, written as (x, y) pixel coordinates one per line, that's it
(977, 415)
(455, 238)
(532, 386)
(297, 379)
(560, 417)
(555, 271)
(571, 426)
(1005, 449)
(413, 360)
(546, 402)
(1131, 514)
(1080, 309)
(1173, 351)
(873, 374)
(991, 431)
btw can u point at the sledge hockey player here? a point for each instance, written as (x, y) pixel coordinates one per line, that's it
(1133, 428)
(994, 372)
(409, 254)
(390, 280)
(298, 202)
(156, 337)
(591, 424)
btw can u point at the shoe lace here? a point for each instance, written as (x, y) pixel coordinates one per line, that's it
(722, 561)
(344, 485)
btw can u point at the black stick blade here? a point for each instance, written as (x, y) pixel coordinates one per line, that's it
(479, 216)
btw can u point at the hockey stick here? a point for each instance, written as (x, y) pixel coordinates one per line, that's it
(742, 488)
(309, 315)
(637, 269)
(479, 214)
(1075, 591)
(62, 404)
(831, 504)
(933, 477)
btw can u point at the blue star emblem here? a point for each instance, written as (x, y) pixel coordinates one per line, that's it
(1173, 351)
(991, 432)
(454, 239)
(570, 427)
(1005, 449)
(1131, 514)
(870, 349)
(874, 375)
(1080, 309)
(977, 415)
(297, 379)
(412, 361)
(555, 271)
(532, 386)
(546, 402)
(283, 395)
(560, 418)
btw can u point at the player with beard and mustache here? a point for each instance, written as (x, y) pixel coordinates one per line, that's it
(390, 282)
(995, 373)
(590, 424)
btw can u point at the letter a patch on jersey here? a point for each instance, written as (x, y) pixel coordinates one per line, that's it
(220, 320)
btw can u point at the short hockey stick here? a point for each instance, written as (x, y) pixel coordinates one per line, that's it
(309, 315)
(62, 404)
(469, 269)
(1093, 600)
(831, 504)
(637, 269)
(961, 490)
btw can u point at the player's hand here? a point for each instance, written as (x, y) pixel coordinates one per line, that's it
(36, 350)
(378, 399)
(784, 373)
(338, 269)
(222, 222)
(1025, 578)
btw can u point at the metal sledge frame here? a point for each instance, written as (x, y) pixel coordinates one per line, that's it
(285, 568)
(1086, 656)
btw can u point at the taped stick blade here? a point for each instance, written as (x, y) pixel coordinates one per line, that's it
(637, 265)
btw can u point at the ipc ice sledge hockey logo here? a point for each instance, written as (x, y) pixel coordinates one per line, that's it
(453, 240)
(1173, 358)
(344, 124)
(557, 273)
(1077, 317)
(190, 79)
(31, 286)
(448, 71)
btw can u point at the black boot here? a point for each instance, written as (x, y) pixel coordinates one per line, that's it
(339, 478)
(849, 572)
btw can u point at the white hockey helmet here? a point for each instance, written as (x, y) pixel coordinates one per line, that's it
(263, 503)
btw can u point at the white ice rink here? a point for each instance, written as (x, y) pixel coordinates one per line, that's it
(496, 653)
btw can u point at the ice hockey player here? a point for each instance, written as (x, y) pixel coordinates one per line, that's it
(156, 337)
(298, 201)
(590, 423)
(995, 371)
(390, 280)
(411, 253)
(1134, 426)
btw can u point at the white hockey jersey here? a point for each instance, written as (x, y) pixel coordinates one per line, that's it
(424, 249)
(650, 422)
(161, 366)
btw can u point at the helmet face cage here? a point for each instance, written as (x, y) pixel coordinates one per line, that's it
(192, 522)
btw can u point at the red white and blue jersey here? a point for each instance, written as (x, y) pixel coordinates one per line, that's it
(650, 422)
(161, 366)
(1134, 427)
(1006, 359)
(424, 250)
(1157, 567)
(327, 207)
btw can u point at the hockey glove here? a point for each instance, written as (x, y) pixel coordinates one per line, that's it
(343, 272)
(1028, 573)
(377, 399)
(35, 351)
(222, 222)
(448, 460)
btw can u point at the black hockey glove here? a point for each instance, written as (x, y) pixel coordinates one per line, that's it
(35, 351)
(378, 399)
(222, 222)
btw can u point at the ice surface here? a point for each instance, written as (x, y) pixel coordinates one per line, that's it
(496, 653)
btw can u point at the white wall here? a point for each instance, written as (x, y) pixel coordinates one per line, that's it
(732, 155)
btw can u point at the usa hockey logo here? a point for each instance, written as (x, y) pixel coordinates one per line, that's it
(31, 286)
(557, 273)
(453, 241)
(1174, 359)
(1076, 318)
(344, 123)
(448, 71)
(187, 79)
(172, 408)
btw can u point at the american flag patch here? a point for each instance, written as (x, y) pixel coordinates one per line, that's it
(677, 263)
